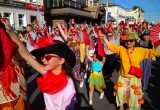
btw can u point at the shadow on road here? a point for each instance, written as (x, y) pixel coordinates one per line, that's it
(151, 96)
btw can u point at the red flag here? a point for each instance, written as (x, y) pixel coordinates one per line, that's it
(145, 23)
(100, 48)
(7, 49)
(96, 29)
(86, 37)
(93, 44)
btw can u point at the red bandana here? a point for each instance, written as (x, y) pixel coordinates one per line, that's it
(51, 83)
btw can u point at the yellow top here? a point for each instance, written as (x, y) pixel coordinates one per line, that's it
(136, 56)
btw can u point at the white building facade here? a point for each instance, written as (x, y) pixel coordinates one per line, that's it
(22, 12)
(117, 12)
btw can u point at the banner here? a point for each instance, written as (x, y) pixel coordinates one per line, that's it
(35, 7)
(109, 17)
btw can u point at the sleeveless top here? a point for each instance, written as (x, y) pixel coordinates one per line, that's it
(96, 66)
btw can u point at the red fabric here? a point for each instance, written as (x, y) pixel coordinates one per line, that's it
(45, 31)
(86, 37)
(8, 76)
(136, 26)
(93, 44)
(102, 30)
(123, 25)
(109, 27)
(51, 83)
(146, 23)
(44, 41)
(7, 49)
(31, 40)
(96, 29)
(100, 48)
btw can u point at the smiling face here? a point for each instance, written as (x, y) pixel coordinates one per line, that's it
(129, 43)
(146, 38)
(52, 62)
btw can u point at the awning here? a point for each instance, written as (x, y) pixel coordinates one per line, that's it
(68, 10)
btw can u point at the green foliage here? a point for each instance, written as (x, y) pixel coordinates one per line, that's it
(135, 7)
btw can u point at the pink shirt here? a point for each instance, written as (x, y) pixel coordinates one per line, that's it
(62, 100)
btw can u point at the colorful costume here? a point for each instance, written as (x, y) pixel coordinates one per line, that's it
(96, 77)
(13, 86)
(128, 89)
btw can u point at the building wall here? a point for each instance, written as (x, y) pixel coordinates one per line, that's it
(21, 16)
(89, 2)
(139, 17)
(118, 13)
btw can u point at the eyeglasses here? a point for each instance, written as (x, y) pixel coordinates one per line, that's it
(129, 41)
(109, 35)
(48, 57)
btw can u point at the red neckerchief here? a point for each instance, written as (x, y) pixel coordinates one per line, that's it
(50, 83)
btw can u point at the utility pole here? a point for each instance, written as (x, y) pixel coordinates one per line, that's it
(106, 11)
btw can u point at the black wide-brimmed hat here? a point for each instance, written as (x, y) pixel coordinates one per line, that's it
(46, 45)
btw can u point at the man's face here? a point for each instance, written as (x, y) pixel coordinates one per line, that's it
(28, 28)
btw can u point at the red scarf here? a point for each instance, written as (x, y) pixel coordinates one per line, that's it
(51, 83)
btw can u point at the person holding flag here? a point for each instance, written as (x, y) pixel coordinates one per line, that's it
(96, 79)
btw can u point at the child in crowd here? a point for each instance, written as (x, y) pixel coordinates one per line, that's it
(96, 79)
(57, 80)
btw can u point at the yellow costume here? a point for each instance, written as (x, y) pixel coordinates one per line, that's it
(128, 89)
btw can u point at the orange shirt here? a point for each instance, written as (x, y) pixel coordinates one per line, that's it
(136, 56)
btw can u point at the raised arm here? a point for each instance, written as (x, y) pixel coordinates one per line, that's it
(105, 40)
(22, 49)
(95, 34)
(64, 35)
(116, 33)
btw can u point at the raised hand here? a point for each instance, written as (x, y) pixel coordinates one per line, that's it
(7, 25)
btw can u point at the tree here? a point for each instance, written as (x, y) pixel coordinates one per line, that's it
(97, 1)
(135, 7)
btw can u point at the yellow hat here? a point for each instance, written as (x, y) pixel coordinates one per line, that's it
(130, 36)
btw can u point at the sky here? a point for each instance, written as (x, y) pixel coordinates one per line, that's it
(151, 7)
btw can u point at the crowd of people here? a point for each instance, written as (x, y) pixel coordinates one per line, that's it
(66, 57)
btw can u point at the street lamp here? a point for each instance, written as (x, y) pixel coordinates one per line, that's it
(38, 8)
(106, 12)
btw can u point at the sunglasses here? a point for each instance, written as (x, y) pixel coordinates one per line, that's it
(48, 57)
(129, 41)
(109, 35)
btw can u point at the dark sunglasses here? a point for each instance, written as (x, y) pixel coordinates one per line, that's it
(129, 41)
(109, 35)
(48, 57)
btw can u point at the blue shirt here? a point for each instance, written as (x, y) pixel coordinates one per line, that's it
(96, 66)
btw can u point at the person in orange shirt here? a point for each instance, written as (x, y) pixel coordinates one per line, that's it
(129, 88)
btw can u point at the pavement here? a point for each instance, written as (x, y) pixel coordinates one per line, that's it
(151, 95)
(107, 103)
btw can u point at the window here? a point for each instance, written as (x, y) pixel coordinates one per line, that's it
(131, 19)
(33, 0)
(33, 19)
(21, 19)
(9, 17)
(91, 3)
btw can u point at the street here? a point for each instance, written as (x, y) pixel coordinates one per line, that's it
(108, 102)
(151, 96)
